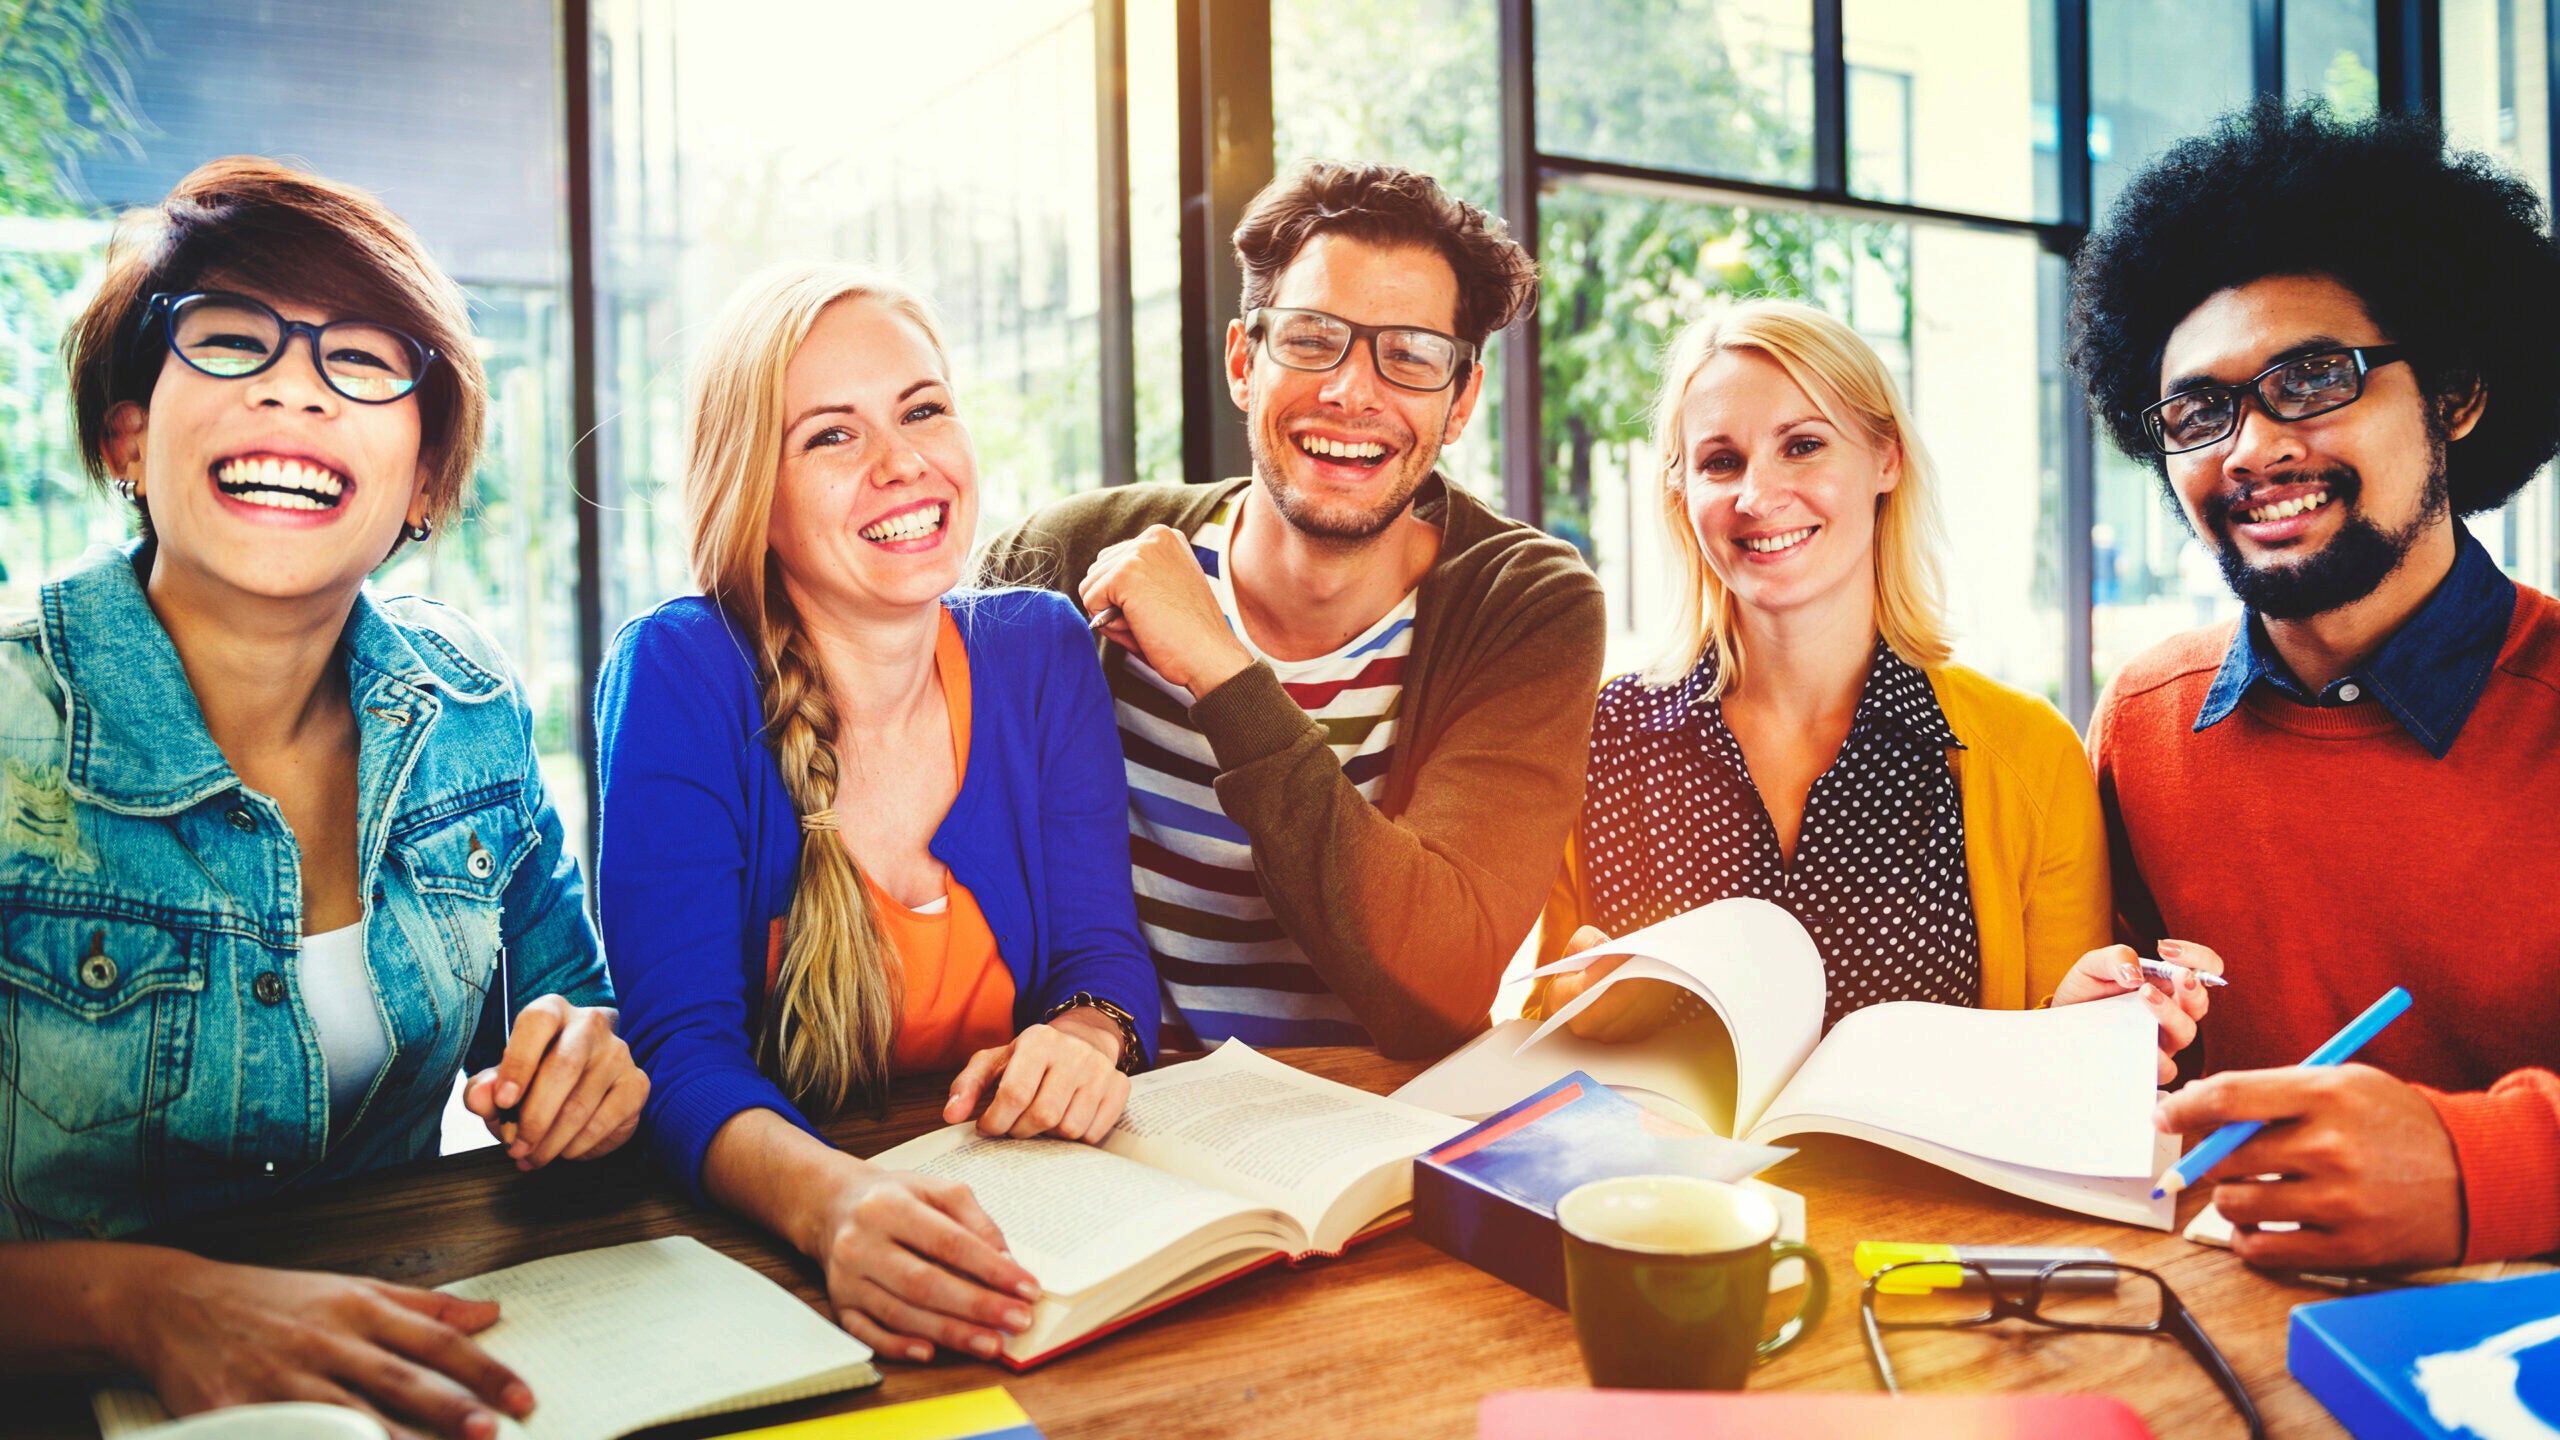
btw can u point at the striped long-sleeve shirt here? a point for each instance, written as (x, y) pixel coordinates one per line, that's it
(1403, 892)
(1228, 967)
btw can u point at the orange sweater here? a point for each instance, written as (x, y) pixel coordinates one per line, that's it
(2328, 857)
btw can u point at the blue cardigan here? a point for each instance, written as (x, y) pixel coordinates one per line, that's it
(698, 847)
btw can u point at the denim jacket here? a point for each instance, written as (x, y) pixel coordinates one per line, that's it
(156, 1057)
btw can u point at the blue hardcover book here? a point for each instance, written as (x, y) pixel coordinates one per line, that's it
(2431, 1363)
(1489, 1196)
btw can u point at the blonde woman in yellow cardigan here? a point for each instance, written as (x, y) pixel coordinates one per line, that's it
(1809, 742)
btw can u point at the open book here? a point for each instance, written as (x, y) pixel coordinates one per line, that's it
(1219, 1165)
(633, 1336)
(2054, 1105)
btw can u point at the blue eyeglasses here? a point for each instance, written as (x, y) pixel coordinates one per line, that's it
(232, 337)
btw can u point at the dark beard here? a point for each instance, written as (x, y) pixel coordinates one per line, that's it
(2351, 566)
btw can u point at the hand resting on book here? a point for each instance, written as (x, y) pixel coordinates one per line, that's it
(1061, 1078)
(208, 1334)
(911, 1261)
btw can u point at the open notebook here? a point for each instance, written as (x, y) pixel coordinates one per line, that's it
(1220, 1165)
(2054, 1105)
(631, 1336)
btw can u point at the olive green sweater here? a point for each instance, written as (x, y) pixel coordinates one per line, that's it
(1410, 908)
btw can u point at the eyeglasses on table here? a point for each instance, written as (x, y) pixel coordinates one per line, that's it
(2085, 1296)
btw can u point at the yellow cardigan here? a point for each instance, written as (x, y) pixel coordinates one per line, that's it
(2035, 848)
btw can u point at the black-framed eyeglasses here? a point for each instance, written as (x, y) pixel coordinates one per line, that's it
(2085, 1296)
(1406, 355)
(232, 337)
(2297, 389)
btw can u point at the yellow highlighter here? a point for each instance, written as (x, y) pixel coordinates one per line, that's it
(2012, 1267)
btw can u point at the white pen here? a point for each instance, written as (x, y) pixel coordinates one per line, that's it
(2167, 974)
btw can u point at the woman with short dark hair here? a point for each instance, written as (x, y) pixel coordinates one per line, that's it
(278, 851)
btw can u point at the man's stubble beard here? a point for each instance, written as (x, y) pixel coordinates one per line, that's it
(1328, 523)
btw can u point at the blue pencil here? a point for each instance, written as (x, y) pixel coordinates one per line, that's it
(2336, 1050)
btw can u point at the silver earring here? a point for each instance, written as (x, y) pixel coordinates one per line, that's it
(124, 486)
(419, 531)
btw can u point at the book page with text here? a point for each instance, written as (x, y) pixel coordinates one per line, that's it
(1247, 1123)
(1748, 959)
(1073, 1214)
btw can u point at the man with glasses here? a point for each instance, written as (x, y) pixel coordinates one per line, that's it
(1355, 702)
(2333, 341)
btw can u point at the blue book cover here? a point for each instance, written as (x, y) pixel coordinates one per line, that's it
(1489, 1196)
(2479, 1360)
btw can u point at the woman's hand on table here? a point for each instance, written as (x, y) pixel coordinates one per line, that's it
(208, 1334)
(1627, 1011)
(2116, 970)
(1059, 1078)
(914, 1261)
(570, 1079)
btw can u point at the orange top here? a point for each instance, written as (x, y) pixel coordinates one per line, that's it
(959, 994)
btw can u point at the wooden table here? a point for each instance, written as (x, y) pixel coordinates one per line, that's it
(1394, 1339)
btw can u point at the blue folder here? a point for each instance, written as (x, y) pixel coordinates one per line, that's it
(2476, 1360)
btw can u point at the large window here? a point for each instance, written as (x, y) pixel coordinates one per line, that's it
(452, 115)
(2497, 99)
(959, 158)
(1714, 86)
(2158, 70)
(1921, 172)
(1440, 119)
(1953, 105)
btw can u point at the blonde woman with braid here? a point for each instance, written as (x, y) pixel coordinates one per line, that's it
(856, 825)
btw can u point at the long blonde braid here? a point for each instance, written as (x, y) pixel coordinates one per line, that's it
(833, 1007)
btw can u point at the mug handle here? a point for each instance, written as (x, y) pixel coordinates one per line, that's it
(1817, 1292)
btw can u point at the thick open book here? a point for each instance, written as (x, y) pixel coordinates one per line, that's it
(2054, 1105)
(634, 1336)
(1220, 1165)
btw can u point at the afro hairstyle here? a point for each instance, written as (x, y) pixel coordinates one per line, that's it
(2446, 251)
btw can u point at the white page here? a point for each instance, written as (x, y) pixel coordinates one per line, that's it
(1682, 1072)
(2069, 1089)
(1073, 1215)
(1748, 959)
(633, 1335)
(1247, 1123)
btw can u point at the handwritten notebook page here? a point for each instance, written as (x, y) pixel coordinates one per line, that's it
(630, 1336)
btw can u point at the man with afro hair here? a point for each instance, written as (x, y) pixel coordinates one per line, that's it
(2332, 341)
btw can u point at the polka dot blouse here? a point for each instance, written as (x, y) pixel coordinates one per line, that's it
(1671, 821)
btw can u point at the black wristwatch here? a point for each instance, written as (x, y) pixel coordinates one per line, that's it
(1131, 1056)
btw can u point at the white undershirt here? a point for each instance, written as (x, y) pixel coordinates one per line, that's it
(338, 991)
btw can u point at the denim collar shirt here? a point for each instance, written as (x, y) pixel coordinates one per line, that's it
(2427, 676)
(157, 1057)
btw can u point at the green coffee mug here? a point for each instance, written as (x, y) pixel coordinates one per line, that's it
(1668, 1280)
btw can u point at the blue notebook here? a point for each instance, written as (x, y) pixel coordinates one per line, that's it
(2479, 1360)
